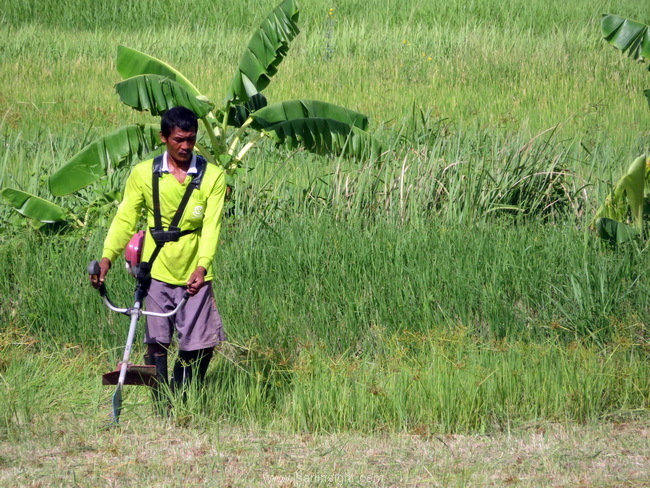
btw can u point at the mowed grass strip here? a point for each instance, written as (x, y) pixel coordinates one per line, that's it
(148, 453)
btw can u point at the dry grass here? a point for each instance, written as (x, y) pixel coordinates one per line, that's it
(149, 453)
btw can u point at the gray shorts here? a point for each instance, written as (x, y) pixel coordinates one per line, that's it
(198, 323)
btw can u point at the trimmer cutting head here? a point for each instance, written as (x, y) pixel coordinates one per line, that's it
(135, 375)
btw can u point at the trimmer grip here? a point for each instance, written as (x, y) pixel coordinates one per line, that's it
(93, 268)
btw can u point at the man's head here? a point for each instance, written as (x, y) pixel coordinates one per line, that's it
(178, 132)
(178, 117)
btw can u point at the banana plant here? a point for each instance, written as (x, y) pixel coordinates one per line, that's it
(628, 198)
(152, 85)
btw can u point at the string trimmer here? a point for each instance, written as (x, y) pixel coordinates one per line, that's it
(127, 373)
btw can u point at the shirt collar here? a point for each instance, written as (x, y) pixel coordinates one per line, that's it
(191, 171)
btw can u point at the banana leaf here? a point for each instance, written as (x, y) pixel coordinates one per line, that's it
(628, 195)
(132, 63)
(266, 50)
(112, 151)
(238, 114)
(615, 232)
(628, 35)
(281, 112)
(325, 136)
(33, 207)
(157, 94)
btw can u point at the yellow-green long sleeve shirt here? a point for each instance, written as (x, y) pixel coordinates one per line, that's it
(176, 260)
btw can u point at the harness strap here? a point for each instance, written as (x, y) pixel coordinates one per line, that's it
(158, 247)
(157, 174)
(173, 233)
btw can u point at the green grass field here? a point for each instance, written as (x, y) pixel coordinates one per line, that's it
(446, 296)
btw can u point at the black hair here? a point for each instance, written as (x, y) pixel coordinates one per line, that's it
(178, 117)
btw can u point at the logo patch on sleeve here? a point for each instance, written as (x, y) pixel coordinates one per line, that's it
(198, 211)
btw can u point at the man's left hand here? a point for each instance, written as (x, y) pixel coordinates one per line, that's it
(196, 281)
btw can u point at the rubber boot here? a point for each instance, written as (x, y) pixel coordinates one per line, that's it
(182, 375)
(161, 400)
(184, 368)
(204, 357)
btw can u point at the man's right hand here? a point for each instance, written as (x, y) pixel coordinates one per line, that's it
(98, 280)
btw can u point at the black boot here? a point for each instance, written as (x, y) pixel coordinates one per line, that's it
(204, 357)
(182, 373)
(184, 368)
(161, 400)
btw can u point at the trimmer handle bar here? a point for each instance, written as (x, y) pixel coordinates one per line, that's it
(93, 269)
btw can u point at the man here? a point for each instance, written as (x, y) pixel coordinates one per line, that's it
(183, 264)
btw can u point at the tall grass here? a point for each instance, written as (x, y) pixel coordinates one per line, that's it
(421, 384)
(334, 282)
(479, 63)
(76, 14)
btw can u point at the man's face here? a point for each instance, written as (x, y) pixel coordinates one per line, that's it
(179, 145)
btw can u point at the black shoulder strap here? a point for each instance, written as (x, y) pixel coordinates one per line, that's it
(195, 183)
(156, 174)
(201, 165)
(157, 164)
